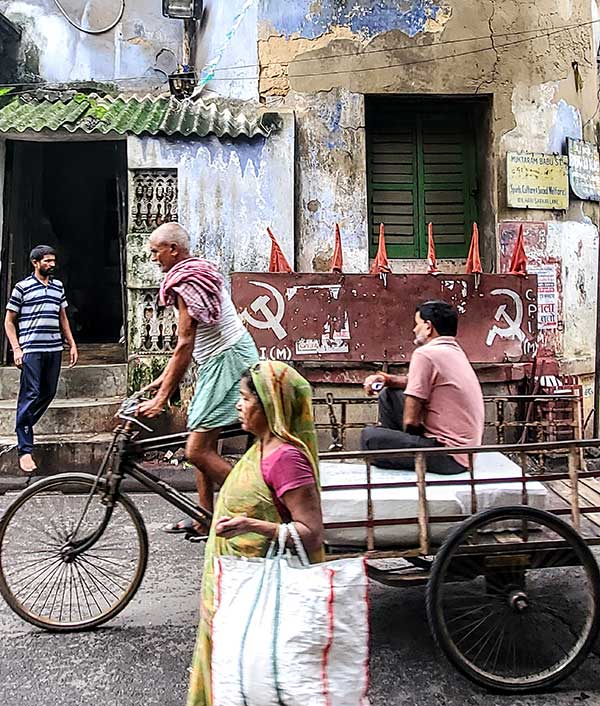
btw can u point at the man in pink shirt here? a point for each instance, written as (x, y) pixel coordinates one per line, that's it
(439, 402)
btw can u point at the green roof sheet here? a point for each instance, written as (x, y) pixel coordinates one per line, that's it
(121, 115)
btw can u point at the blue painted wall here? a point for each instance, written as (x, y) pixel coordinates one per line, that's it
(312, 18)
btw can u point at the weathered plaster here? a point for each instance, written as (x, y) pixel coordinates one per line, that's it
(331, 180)
(313, 18)
(543, 123)
(237, 73)
(131, 50)
(229, 193)
(576, 246)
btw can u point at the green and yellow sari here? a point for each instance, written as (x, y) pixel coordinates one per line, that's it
(286, 398)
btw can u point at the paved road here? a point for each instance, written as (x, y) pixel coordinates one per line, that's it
(142, 658)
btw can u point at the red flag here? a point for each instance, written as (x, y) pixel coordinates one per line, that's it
(278, 261)
(431, 261)
(337, 261)
(474, 261)
(518, 262)
(380, 263)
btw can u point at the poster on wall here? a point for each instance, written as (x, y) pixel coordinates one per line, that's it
(584, 169)
(536, 180)
(547, 295)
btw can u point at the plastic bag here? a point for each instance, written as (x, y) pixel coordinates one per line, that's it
(289, 634)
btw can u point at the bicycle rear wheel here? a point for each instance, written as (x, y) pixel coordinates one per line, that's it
(58, 590)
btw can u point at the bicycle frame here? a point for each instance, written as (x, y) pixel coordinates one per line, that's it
(125, 450)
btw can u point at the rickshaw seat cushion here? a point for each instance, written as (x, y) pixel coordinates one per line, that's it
(401, 503)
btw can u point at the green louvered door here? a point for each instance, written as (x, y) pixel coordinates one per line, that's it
(422, 168)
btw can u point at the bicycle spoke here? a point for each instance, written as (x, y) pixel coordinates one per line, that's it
(43, 587)
(56, 589)
(98, 585)
(102, 573)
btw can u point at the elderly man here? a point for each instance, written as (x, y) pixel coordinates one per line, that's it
(439, 403)
(210, 331)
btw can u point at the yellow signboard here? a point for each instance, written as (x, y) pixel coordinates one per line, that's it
(537, 180)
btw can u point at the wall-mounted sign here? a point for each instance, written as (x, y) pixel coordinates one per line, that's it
(537, 180)
(364, 318)
(584, 169)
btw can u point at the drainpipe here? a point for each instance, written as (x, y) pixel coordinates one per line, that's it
(189, 43)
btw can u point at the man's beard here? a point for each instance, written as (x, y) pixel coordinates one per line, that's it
(419, 341)
(47, 271)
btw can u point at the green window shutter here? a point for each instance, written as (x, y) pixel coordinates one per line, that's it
(393, 189)
(448, 185)
(421, 168)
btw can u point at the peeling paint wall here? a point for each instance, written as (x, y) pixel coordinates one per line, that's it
(237, 76)
(576, 246)
(331, 180)
(230, 191)
(141, 48)
(321, 57)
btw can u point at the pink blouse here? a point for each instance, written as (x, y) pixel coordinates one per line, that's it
(287, 468)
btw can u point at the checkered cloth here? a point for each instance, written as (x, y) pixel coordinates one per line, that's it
(199, 284)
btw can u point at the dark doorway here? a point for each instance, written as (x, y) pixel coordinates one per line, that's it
(70, 195)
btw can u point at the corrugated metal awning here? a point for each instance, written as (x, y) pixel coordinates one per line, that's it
(121, 115)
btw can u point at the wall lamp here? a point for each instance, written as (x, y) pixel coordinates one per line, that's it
(182, 9)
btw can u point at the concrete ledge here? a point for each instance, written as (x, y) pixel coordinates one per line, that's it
(66, 416)
(181, 479)
(81, 381)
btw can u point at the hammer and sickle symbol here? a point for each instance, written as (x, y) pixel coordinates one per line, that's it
(513, 326)
(272, 320)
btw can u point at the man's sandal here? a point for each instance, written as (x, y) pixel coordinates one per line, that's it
(189, 527)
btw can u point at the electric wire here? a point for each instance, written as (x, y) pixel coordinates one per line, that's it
(88, 30)
(494, 46)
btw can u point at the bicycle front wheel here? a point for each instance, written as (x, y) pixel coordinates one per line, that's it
(65, 591)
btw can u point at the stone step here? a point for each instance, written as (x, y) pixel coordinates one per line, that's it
(81, 381)
(81, 453)
(66, 416)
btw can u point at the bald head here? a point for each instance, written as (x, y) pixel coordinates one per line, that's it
(172, 233)
(169, 244)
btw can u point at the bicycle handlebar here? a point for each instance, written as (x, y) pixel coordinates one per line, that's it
(127, 410)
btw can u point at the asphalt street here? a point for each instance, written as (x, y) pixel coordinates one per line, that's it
(142, 657)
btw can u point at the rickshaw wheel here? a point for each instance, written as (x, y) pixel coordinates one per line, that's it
(514, 599)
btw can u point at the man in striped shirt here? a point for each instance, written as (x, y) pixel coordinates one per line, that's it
(35, 324)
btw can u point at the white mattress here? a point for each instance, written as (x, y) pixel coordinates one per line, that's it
(395, 503)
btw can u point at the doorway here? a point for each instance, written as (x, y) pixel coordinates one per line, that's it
(71, 196)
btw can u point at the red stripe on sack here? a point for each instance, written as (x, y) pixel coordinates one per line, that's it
(368, 607)
(218, 569)
(329, 643)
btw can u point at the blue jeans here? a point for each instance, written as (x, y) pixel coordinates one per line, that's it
(39, 379)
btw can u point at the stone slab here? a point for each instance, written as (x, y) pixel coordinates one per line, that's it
(77, 382)
(66, 416)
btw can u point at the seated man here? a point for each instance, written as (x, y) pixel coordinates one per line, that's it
(439, 402)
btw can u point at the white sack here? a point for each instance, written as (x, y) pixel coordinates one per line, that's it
(302, 629)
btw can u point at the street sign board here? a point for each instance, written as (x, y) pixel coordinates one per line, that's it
(536, 180)
(584, 169)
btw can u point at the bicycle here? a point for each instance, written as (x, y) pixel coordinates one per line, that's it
(74, 547)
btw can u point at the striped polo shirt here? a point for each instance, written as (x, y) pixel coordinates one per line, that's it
(38, 308)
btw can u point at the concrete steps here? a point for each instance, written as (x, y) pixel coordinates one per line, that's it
(66, 416)
(82, 453)
(93, 381)
(75, 431)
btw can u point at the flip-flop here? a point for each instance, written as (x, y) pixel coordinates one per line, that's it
(185, 526)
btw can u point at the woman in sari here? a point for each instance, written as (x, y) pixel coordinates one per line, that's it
(275, 481)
